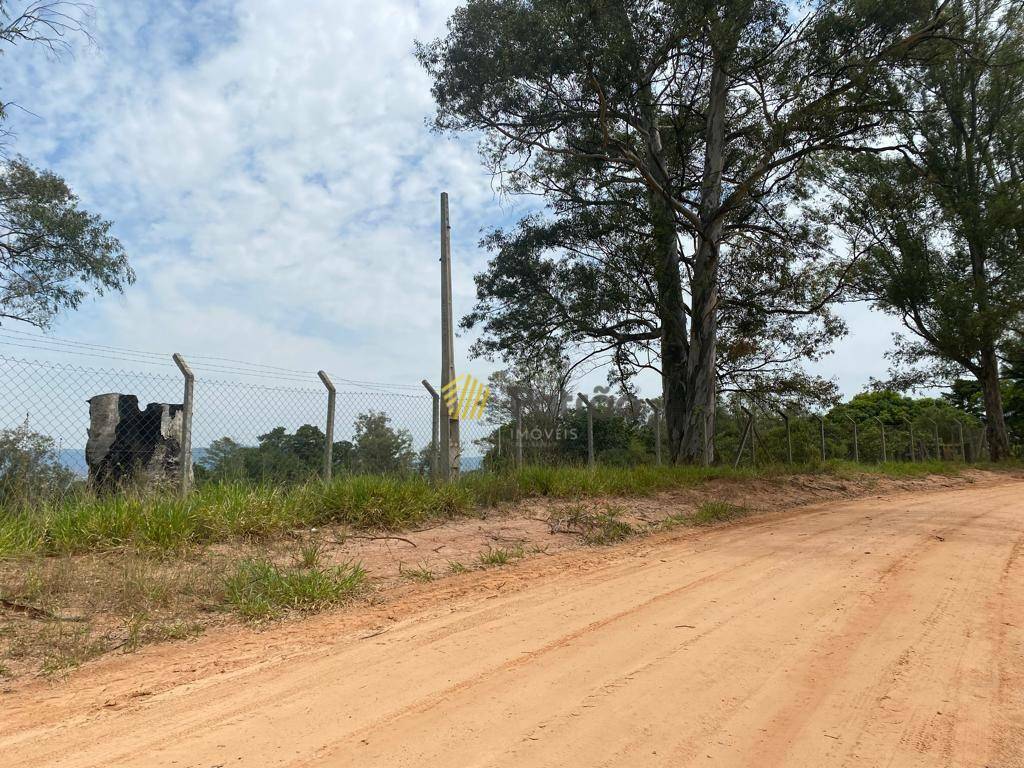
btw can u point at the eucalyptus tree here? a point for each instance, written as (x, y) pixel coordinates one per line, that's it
(702, 116)
(579, 284)
(941, 217)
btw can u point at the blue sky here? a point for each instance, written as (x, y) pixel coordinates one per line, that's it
(268, 168)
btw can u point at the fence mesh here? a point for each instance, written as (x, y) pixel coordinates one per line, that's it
(63, 426)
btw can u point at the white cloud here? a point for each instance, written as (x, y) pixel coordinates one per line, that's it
(272, 178)
(268, 168)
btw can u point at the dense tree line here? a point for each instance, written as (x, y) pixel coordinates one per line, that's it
(554, 428)
(702, 164)
(283, 457)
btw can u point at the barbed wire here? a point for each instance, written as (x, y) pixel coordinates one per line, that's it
(41, 342)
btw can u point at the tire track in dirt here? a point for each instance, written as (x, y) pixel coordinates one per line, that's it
(294, 687)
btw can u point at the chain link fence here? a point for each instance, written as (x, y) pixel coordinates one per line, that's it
(65, 427)
(746, 437)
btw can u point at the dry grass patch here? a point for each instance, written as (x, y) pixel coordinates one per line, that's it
(58, 612)
(594, 527)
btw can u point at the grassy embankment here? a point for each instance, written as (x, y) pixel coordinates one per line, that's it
(218, 513)
(87, 575)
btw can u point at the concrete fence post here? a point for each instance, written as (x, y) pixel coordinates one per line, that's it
(657, 432)
(856, 440)
(517, 405)
(963, 447)
(590, 429)
(910, 425)
(435, 428)
(185, 480)
(743, 441)
(938, 443)
(885, 453)
(789, 437)
(332, 396)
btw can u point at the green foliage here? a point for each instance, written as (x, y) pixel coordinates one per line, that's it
(310, 553)
(52, 253)
(626, 117)
(278, 457)
(498, 556)
(899, 414)
(619, 437)
(893, 408)
(555, 429)
(30, 469)
(216, 512)
(380, 449)
(966, 394)
(594, 528)
(281, 457)
(940, 221)
(421, 573)
(259, 589)
(715, 512)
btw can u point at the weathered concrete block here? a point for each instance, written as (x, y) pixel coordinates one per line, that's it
(129, 446)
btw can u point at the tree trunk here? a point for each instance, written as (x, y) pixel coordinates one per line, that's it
(700, 372)
(671, 308)
(671, 313)
(978, 238)
(998, 439)
(995, 421)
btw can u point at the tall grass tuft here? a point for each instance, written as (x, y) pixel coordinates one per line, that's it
(713, 512)
(259, 589)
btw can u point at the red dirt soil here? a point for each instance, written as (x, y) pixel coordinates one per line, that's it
(879, 632)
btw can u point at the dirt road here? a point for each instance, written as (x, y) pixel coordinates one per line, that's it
(881, 632)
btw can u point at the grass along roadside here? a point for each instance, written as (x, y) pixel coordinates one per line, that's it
(222, 512)
(259, 589)
(60, 606)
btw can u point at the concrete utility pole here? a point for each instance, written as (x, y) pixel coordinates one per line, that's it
(450, 446)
